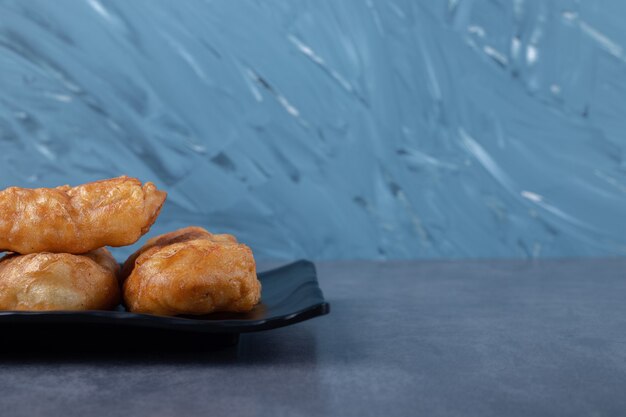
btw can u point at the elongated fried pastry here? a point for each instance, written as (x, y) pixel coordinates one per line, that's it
(113, 212)
(59, 281)
(191, 271)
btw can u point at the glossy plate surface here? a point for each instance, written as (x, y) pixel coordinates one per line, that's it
(290, 294)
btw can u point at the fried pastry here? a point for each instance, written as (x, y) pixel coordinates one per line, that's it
(191, 271)
(59, 281)
(113, 212)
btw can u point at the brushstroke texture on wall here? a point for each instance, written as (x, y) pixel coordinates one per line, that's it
(333, 129)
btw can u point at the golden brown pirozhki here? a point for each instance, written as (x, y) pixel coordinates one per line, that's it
(59, 281)
(113, 212)
(191, 271)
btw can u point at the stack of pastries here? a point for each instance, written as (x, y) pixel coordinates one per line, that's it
(56, 257)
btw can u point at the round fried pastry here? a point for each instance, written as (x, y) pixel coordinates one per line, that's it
(191, 271)
(59, 281)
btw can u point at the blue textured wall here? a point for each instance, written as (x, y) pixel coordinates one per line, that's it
(333, 129)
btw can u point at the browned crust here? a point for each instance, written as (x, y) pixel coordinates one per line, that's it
(112, 212)
(191, 271)
(59, 281)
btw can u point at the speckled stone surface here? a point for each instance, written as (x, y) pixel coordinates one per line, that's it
(404, 338)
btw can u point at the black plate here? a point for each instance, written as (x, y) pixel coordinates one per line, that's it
(290, 294)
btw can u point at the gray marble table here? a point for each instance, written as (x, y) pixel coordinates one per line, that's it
(471, 338)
